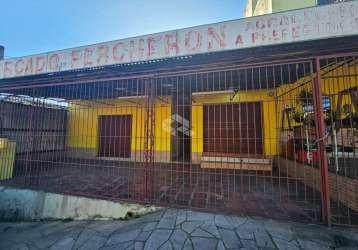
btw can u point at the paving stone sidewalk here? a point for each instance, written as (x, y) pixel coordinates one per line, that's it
(175, 229)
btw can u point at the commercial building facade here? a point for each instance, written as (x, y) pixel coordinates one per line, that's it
(229, 117)
(261, 7)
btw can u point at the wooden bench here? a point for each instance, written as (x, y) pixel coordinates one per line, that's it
(236, 162)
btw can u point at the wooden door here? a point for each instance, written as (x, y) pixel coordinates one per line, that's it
(115, 132)
(233, 129)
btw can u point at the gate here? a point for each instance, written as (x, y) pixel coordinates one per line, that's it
(339, 85)
(276, 139)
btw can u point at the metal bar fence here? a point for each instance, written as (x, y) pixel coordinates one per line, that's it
(239, 139)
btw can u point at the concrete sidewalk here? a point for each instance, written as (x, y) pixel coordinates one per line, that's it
(175, 229)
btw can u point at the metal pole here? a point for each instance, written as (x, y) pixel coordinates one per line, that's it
(2, 49)
(149, 143)
(320, 131)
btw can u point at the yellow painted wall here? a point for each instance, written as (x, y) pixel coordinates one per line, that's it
(333, 83)
(332, 86)
(7, 158)
(83, 116)
(162, 124)
(268, 112)
(83, 122)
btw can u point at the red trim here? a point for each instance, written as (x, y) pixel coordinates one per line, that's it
(320, 129)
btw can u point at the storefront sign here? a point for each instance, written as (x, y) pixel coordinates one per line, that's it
(293, 26)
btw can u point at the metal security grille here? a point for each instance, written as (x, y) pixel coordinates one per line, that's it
(340, 87)
(277, 140)
(233, 129)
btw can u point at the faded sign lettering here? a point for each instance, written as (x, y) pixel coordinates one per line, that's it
(298, 25)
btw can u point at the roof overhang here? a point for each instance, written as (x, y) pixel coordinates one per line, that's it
(303, 25)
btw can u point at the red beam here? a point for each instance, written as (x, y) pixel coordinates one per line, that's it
(320, 131)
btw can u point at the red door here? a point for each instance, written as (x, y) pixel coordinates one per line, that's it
(233, 129)
(115, 135)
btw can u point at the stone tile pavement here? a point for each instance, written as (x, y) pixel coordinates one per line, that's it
(175, 229)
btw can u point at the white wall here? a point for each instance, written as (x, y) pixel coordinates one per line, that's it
(23, 204)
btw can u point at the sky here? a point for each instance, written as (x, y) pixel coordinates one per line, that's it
(33, 26)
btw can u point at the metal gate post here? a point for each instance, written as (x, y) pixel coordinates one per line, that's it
(320, 132)
(149, 142)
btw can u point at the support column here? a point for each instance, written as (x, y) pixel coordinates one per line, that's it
(320, 132)
(181, 121)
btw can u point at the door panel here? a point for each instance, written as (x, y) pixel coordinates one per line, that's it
(115, 136)
(233, 128)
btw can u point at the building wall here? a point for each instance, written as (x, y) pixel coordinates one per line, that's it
(261, 7)
(257, 7)
(83, 121)
(83, 125)
(268, 112)
(283, 5)
(248, 8)
(33, 128)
